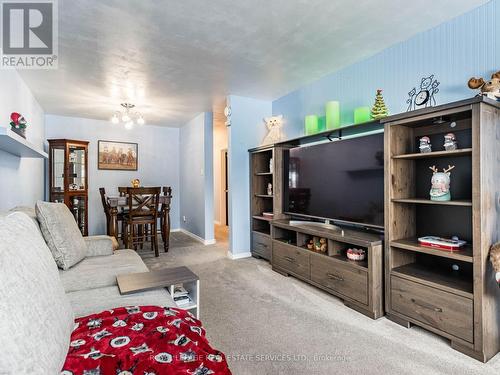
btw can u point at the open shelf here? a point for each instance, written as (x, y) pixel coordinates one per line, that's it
(412, 244)
(458, 202)
(362, 264)
(435, 154)
(262, 231)
(14, 144)
(263, 218)
(454, 283)
(264, 196)
(264, 173)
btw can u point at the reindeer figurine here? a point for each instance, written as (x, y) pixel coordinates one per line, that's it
(440, 184)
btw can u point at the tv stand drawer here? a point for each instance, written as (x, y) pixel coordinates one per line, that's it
(444, 311)
(261, 245)
(348, 281)
(291, 258)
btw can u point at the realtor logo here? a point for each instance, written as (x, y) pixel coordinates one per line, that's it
(29, 34)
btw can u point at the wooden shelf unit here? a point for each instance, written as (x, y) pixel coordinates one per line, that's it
(266, 166)
(422, 284)
(358, 283)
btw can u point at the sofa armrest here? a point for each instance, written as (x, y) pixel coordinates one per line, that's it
(100, 245)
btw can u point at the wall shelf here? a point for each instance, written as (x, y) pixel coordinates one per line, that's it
(14, 144)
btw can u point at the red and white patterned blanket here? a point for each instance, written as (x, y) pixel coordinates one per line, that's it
(146, 340)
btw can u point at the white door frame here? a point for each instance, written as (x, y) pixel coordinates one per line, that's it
(223, 177)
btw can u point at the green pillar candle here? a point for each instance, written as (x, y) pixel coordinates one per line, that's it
(332, 110)
(312, 125)
(362, 114)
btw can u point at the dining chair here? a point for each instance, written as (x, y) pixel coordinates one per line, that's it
(141, 217)
(105, 206)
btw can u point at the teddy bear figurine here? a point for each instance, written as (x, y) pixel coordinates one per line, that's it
(495, 260)
(490, 89)
(310, 245)
(274, 125)
(323, 245)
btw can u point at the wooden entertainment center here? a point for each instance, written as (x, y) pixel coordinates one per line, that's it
(453, 294)
(276, 239)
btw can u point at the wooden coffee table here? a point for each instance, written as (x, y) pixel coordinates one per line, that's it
(164, 278)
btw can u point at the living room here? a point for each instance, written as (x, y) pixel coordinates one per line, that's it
(249, 187)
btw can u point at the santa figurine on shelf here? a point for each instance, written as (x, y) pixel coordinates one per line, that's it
(18, 124)
(450, 142)
(425, 145)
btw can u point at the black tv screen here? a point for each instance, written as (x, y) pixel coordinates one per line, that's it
(341, 181)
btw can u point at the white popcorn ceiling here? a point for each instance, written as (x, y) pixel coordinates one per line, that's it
(177, 58)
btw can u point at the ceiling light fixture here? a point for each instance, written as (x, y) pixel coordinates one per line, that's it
(127, 116)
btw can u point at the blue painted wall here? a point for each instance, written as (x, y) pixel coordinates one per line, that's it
(158, 160)
(21, 179)
(454, 51)
(209, 175)
(247, 130)
(196, 176)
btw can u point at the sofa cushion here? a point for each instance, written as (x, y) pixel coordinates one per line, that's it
(36, 318)
(99, 271)
(61, 233)
(99, 245)
(93, 301)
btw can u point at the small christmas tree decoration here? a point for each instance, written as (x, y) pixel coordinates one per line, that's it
(379, 109)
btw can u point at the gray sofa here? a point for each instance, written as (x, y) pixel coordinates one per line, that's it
(39, 302)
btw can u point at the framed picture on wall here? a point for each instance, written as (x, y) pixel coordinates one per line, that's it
(122, 156)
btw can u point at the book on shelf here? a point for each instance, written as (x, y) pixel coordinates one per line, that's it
(182, 300)
(179, 291)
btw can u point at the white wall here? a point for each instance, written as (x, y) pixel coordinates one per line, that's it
(21, 179)
(220, 143)
(158, 159)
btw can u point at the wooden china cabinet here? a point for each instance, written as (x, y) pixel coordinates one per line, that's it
(68, 177)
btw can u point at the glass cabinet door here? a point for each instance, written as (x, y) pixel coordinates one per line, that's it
(77, 206)
(76, 168)
(58, 170)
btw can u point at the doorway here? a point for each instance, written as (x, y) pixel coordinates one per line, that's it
(221, 180)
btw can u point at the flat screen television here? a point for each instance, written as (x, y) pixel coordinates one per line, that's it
(340, 181)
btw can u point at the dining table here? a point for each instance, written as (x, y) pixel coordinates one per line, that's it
(117, 203)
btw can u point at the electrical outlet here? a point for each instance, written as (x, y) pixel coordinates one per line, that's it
(184, 219)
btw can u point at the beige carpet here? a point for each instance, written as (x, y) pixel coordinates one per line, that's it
(270, 324)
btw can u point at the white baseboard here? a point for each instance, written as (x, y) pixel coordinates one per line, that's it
(197, 238)
(236, 256)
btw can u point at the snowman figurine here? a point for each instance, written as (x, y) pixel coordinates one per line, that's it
(450, 142)
(425, 145)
